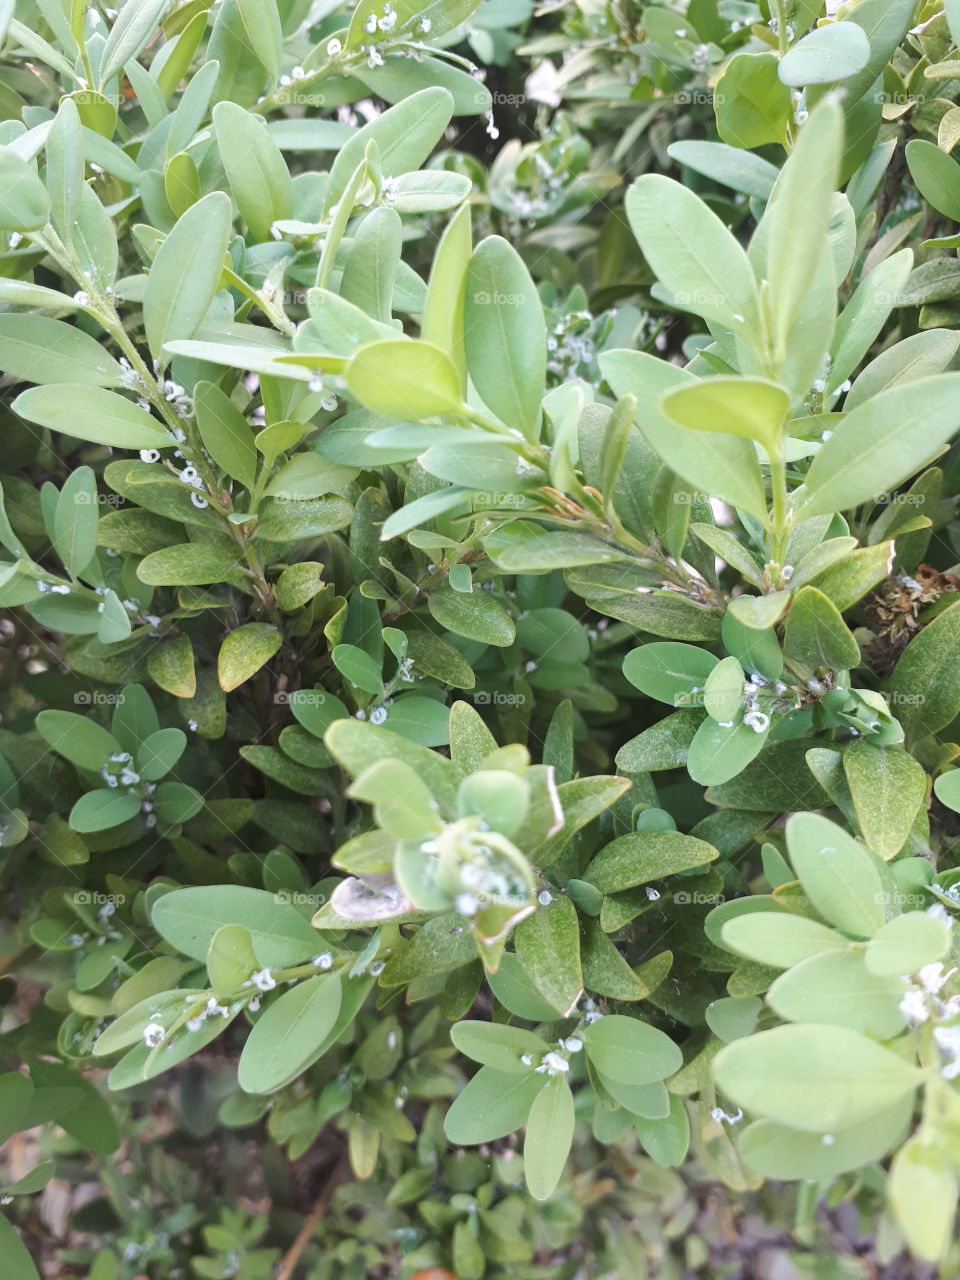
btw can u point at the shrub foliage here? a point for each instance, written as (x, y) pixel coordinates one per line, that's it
(481, 658)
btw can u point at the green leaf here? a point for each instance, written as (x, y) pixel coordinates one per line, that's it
(422, 720)
(75, 521)
(443, 312)
(424, 510)
(258, 176)
(400, 378)
(751, 407)
(881, 443)
(358, 668)
(441, 16)
(91, 413)
(816, 636)
(752, 105)
(548, 947)
(189, 918)
(231, 959)
(187, 564)
(779, 938)
(825, 55)
(693, 254)
(837, 989)
(524, 547)
(175, 802)
(293, 520)
(31, 1182)
(185, 274)
(512, 986)
(492, 1105)
(818, 1079)
(134, 25)
(630, 1051)
(723, 466)
(142, 1063)
(498, 1046)
(17, 1261)
(839, 877)
(924, 687)
(729, 1018)
(225, 433)
(26, 205)
(100, 810)
(38, 349)
(642, 856)
(65, 169)
(478, 616)
(666, 1141)
(664, 745)
(865, 315)
(947, 789)
(798, 215)
(888, 788)
(723, 692)
(505, 335)
(777, 1151)
(742, 170)
(16, 1091)
(402, 803)
(440, 947)
(497, 796)
(171, 666)
(77, 738)
(923, 1191)
(719, 752)
(907, 943)
(937, 176)
(405, 135)
(286, 1036)
(245, 651)
(358, 745)
(605, 971)
(264, 34)
(919, 356)
(370, 271)
(670, 672)
(159, 752)
(549, 1137)
(759, 613)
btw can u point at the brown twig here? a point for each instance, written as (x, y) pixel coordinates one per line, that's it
(290, 1259)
